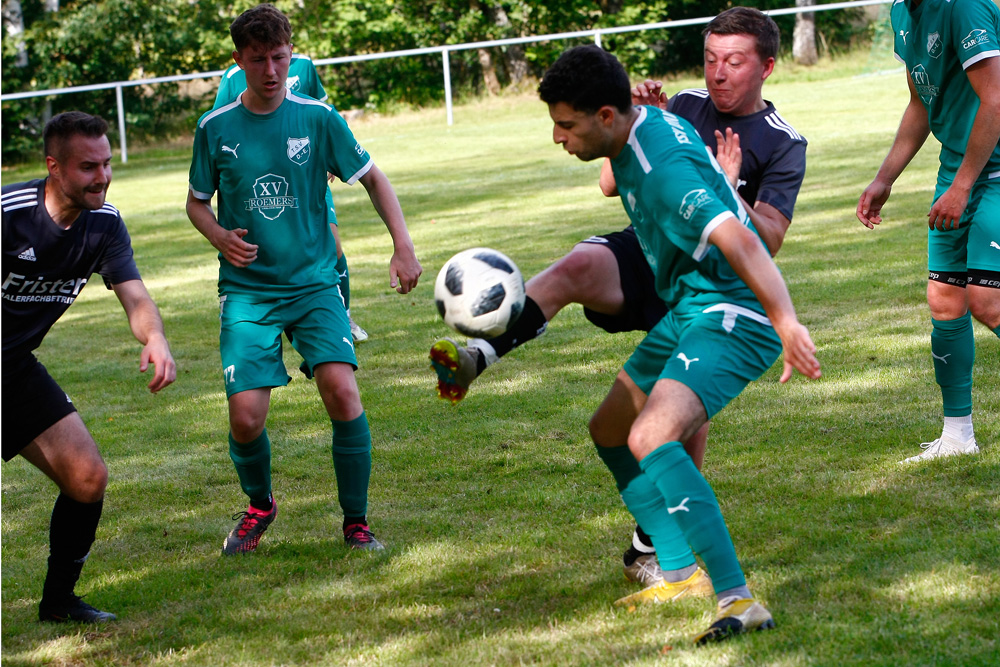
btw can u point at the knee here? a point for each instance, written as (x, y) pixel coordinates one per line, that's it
(87, 481)
(246, 426)
(984, 304)
(576, 268)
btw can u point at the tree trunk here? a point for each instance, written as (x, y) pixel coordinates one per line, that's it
(517, 63)
(13, 26)
(490, 80)
(489, 72)
(804, 37)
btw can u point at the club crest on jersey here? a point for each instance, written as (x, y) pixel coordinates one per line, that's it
(293, 82)
(693, 201)
(934, 45)
(299, 150)
(925, 89)
(975, 38)
(271, 197)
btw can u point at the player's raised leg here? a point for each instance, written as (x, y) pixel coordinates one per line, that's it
(587, 275)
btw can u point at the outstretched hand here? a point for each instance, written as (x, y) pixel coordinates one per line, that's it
(649, 92)
(729, 155)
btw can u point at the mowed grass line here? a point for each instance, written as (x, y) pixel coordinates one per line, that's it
(504, 529)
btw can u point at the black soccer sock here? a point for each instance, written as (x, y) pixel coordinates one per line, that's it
(71, 533)
(531, 324)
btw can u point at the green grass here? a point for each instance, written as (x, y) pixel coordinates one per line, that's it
(504, 529)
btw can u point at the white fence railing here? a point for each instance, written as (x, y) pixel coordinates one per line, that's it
(595, 33)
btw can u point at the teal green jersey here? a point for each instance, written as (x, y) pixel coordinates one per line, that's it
(270, 172)
(938, 40)
(302, 78)
(676, 194)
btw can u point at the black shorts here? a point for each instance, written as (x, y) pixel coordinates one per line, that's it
(643, 306)
(32, 402)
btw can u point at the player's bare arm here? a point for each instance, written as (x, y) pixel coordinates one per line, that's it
(949, 207)
(911, 135)
(147, 327)
(404, 268)
(756, 268)
(229, 242)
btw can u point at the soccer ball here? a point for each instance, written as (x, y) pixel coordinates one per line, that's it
(479, 292)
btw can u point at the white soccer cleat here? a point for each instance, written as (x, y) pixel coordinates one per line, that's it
(357, 333)
(943, 447)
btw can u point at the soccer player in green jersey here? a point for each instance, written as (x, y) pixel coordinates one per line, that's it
(951, 50)
(302, 78)
(729, 317)
(267, 155)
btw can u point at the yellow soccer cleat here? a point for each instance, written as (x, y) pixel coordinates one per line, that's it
(698, 584)
(734, 617)
(455, 367)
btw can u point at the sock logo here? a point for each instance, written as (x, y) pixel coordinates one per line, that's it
(687, 362)
(681, 507)
(943, 360)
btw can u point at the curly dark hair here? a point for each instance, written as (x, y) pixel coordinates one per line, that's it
(587, 78)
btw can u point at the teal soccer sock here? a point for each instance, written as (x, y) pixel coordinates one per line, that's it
(345, 280)
(953, 348)
(692, 504)
(253, 466)
(646, 504)
(352, 463)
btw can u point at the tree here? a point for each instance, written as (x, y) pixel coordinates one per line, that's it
(804, 37)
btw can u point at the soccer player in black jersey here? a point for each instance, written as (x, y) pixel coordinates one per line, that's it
(57, 232)
(609, 275)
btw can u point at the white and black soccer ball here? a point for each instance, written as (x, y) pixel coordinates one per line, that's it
(479, 292)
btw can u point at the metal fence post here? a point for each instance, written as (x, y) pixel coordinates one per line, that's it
(121, 123)
(447, 84)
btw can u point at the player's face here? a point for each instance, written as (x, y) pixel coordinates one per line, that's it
(81, 177)
(734, 73)
(266, 69)
(582, 134)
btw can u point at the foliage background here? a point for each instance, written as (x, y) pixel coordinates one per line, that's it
(98, 41)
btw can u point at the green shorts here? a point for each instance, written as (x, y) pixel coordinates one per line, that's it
(250, 337)
(331, 211)
(971, 252)
(715, 351)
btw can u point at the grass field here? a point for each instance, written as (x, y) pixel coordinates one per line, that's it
(504, 529)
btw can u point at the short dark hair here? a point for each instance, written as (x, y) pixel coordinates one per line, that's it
(263, 25)
(748, 21)
(70, 124)
(587, 78)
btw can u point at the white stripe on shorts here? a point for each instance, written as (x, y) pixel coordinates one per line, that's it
(732, 311)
